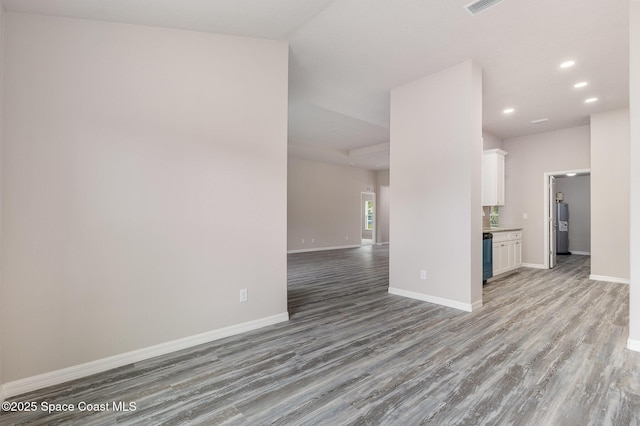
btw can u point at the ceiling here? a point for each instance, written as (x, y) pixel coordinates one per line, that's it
(346, 56)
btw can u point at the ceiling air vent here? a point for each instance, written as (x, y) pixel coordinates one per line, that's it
(539, 120)
(480, 6)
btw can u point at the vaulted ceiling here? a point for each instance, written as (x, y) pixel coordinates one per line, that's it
(346, 56)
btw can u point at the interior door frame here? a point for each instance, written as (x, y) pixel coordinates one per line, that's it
(553, 230)
(547, 223)
(375, 218)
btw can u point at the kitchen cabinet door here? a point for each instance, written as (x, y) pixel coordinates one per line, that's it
(501, 257)
(493, 177)
(517, 254)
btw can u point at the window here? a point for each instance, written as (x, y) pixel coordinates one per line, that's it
(368, 215)
(494, 217)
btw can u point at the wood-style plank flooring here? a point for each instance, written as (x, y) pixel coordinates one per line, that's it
(547, 348)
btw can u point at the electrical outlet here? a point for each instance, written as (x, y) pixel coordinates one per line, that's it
(423, 275)
(303, 241)
(313, 240)
(346, 238)
(244, 295)
(525, 216)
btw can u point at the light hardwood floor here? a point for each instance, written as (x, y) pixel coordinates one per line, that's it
(547, 348)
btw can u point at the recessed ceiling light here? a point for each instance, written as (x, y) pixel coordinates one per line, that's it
(508, 111)
(588, 101)
(567, 64)
(571, 174)
(581, 84)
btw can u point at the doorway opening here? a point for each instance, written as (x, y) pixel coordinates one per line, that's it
(563, 235)
(368, 218)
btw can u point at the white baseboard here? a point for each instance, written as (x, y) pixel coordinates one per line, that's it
(534, 265)
(609, 279)
(633, 345)
(323, 249)
(581, 253)
(56, 377)
(437, 300)
(383, 244)
(476, 305)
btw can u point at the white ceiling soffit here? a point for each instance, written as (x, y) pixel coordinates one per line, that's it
(346, 55)
(313, 125)
(373, 157)
(353, 142)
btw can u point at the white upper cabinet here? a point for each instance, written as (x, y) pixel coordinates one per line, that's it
(493, 177)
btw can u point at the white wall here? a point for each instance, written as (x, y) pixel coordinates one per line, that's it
(436, 157)
(382, 204)
(634, 101)
(384, 196)
(324, 204)
(577, 194)
(2, 299)
(139, 166)
(489, 141)
(610, 195)
(383, 177)
(530, 157)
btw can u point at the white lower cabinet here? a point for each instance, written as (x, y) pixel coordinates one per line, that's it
(516, 253)
(500, 257)
(507, 251)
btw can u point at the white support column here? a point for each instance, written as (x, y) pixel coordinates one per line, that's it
(436, 169)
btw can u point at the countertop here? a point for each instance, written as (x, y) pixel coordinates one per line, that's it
(505, 229)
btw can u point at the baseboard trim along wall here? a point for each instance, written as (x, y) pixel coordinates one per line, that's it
(57, 377)
(323, 249)
(437, 300)
(534, 265)
(476, 305)
(581, 253)
(633, 345)
(609, 279)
